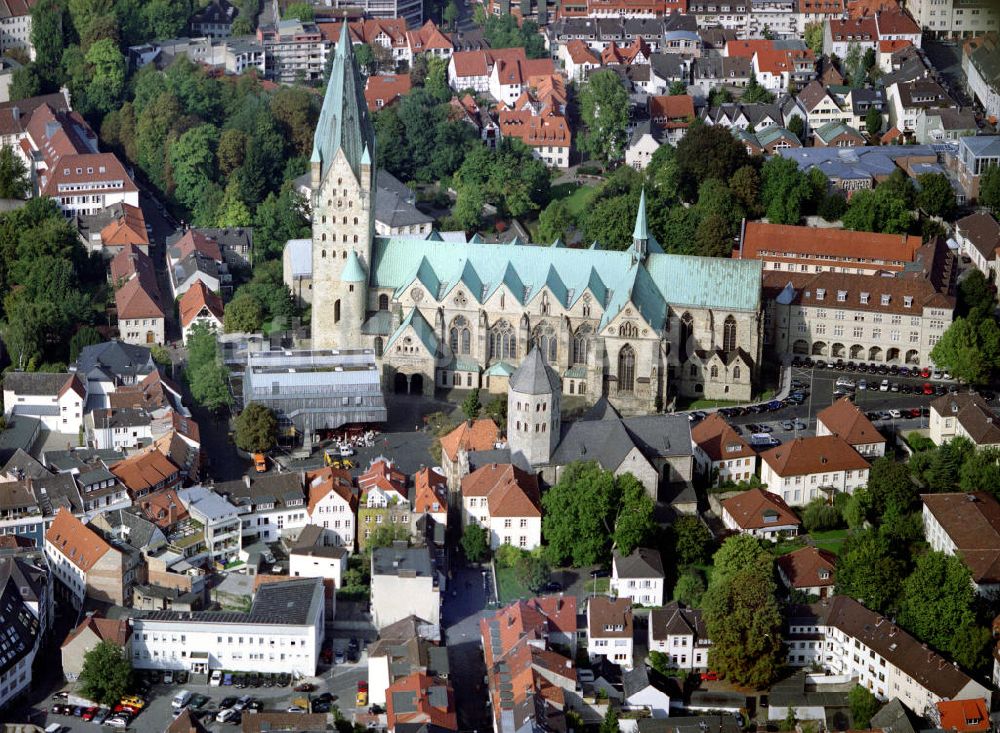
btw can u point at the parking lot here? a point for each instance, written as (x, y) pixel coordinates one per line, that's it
(340, 682)
(819, 390)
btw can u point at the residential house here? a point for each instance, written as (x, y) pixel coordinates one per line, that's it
(384, 500)
(313, 556)
(333, 505)
(840, 35)
(982, 71)
(965, 415)
(809, 570)
(975, 155)
(123, 429)
(672, 114)
(200, 305)
(897, 25)
(907, 100)
(646, 139)
(638, 577)
(967, 526)
(503, 500)
(404, 582)
(978, 237)
(837, 135)
(889, 661)
(25, 600)
(679, 633)
(214, 20)
(469, 437)
(113, 228)
(760, 513)
(429, 498)
(138, 303)
(473, 69)
(848, 422)
(467, 110)
(196, 257)
(110, 365)
(146, 472)
(941, 124)
(577, 59)
(431, 40)
(420, 700)
(270, 505)
(15, 34)
(964, 716)
(86, 565)
(396, 213)
(609, 630)
(804, 469)
(822, 105)
(383, 90)
(218, 522)
(768, 141)
(401, 650)
(282, 632)
(646, 690)
(952, 19)
(711, 72)
(721, 453)
(546, 133)
(89, 633)
(57, 399)
(510, 76)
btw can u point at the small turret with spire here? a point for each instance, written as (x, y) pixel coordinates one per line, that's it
(640, 235)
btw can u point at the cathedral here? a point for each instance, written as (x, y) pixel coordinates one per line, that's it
(636, 326)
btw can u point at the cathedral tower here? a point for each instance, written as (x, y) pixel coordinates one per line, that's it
(533, 417)
(343, 205)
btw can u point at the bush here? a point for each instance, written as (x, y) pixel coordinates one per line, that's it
(507, 556)
(589, 169)
(818, 516)
(918, 442)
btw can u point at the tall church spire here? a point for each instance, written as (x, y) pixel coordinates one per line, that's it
(640, 235)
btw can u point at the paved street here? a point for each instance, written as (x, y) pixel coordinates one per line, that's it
(463, 608)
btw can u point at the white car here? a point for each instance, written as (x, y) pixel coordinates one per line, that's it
(896, 414)
(884, 387)
(216, 679)
(168, 677)
(116, 722)
(225, 715)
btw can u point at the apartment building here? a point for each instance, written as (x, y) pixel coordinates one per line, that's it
(282, 632)
(269, 505)
(638, 577)
(24, 603)
(216, 520)
(404, 583)
(964, 416)
(294, 51)
(975, 155)
(503, 500)
(848, 422)
(955, 18)
(679, 632)
(967, 525)
(845, 638)
(609, 630)
(86, 565)
(333, 505)
(804, 469)
(721, 453)
(55, 399)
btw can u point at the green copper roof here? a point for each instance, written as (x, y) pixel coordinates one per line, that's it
(641, 230)
(353, 271)
(421, 327)
(613, 278)
(500, 369)
(343, 120)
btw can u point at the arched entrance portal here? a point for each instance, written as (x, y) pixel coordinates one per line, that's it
(417, 384)
(400, 383)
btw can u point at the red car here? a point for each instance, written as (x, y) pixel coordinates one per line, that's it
(709, 676)
(928, 388)
(925, 372)
(89, 713)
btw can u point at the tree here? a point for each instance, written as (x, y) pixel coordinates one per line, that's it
(692, 541)
(554, 221)
(989, 188)
(718, 96)
(300, 10)
(256, 428)
(25, 83)
(243, 314)
(744, 621)
(878, 211)
(450, 14)
(936, 196)
(166, 18)
(604, 110)
(891, 486)
(634, 525)
(818, 516)
(610, 722)
(706, 152)
(384, 535)
(863, 706)
(496, 410)
(832, 207)
(677, 89)
(192, 161)
(471, 405)
(47, 38)
(278, 218)
(797, 127)
(868, 572)
(231, 211)
(969, 349)
(713, 237)
(365, 58)
(975, 298)
(755, 93)
(971, 645)
(207, 376)
(785, 192)
(814, 38)
(981, 470)
(532, 571)
(737, 553)
(610, 221)
(508, 176)
(937, 598)
(106, 675)
(86, 336)
(475, 543)
(873, 122)
(579, 515)
(690, 588)
(107, 82)
(854, 66)
(14, 183)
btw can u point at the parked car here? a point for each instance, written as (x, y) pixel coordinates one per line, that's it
(305, 687)
(216, 679)
(338, 657)
(884, 386)
(361, 699)
(709, 676)
(227, 679)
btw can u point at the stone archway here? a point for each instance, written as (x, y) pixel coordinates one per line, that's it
(912, 356)
(417, 384)
(839, 351)
(819, 348)
(875, 354)
(892, 355)
(400, 383)
(800, 347)
(857, 351)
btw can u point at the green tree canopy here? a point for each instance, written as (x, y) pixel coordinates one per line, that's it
(243, 314)
(106, 675)
(705, 152)
(604, 110)
(989, 189)
(873, 122)
(256, 428)
(300, 10)
(936, 196)
(969, 349)
(868, 572)
(634, 525)
(863, 706)
(786, 190)
(692, 541)
(738, 553)
(554, 222)
(471, 405)
(14, 183)
(937, 599)
(475, 543)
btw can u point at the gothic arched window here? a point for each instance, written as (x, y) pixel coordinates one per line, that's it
(503, 341)
(581, 343)
(626, 369)
(545, 339)
(460, 336)
(383, 302)
(729, 334)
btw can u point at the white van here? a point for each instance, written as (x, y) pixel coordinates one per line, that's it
(181, 699)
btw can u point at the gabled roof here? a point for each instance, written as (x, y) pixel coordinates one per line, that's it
(844, 419)
(832, 130)
(328, 481)
(964, 716)
(138, 298)
(609, 617)
(972, 523)
(674, 619)
(129, 227)
(803, 567)
(644, 562)
(37, 383)
(471, 435)
(759, 509)
(718, 439)
(116, 631)
(199, 301)
(973, 414)
(420, 698)
(145, 470)
(81, 545)
(509, 491)
(816, 454)
(982, 231)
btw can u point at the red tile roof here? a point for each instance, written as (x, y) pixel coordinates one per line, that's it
(416, 698)
(673, 111)
(330, 480)
(145, 470)
(844, 419)
(81, 545)
(536, 130)
(383, 475)
(857, 29)
(428, 38)
(972, 522)
(139, 298)
(719, 441)
(816, 454)
(386, 88)
(163, 508)
(197, 301)
(481, 62)
(195, 241)
(964, 716)
(509, 491)
(896, 23)
(882, 251)
(116, 631)
(129, 228)
(471, 435)
(750, 508)
(581, 53)
(430, 487)
(808, 567)
(90, 168)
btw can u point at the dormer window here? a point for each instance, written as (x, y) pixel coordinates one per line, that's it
(841, 296)
(885, 299)
(820, 293)
(907, 301)
(865, 298)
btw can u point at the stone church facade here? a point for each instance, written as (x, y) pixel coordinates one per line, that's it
(637, 326)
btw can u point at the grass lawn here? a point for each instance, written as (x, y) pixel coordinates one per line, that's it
(509, 589)
(831, 540)
(575, 196)
(597, 585)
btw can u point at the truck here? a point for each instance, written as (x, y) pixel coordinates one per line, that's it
(180, 699)
(260, 462)
(759, 440)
